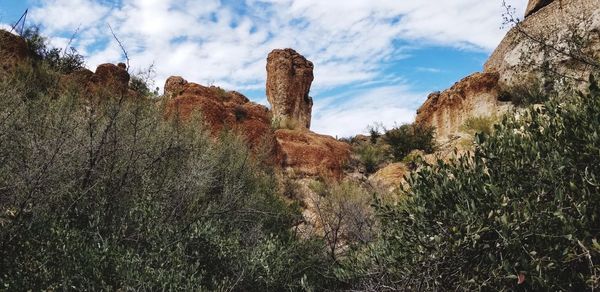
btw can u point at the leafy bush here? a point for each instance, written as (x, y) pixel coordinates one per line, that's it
(480, 124)
(520, 213)
(103, 193)
(345, 215)
(63, 61)
(525, 93)
(409, 137)
(371, 156)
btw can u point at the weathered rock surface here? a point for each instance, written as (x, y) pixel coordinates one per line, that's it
(476, 95)
(311, 154)
(549, 41)
(13, 50)
(390, 177)
(534, 5)
(289, 76)
(112, 77)
(220, 110)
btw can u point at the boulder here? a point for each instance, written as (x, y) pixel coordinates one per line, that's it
(174, 86)
(289, 77)
(312, 155)
(391, 177)
(111, 77)
(560, 40)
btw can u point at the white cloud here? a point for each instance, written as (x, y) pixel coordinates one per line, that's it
(350, 113)
(209, 41)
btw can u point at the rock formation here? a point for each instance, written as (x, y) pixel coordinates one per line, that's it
(111, 76)
(311, 154)
(304, 152)
(13, 50)
(289, 76)
(476, 95)
(540, 48)
(561, 38)
(220, 110)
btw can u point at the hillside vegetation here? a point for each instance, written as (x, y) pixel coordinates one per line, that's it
(100, 190)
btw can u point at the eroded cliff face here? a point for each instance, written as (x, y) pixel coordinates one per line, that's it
(301, 152)
(557, 43)
(476, 95)
(289, 76)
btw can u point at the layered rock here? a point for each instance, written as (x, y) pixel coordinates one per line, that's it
(560, 38)
(447, 111)
(289, 77)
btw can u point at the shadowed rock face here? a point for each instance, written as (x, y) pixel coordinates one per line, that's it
(534, 5)
(289, 76)
(13, 50)
(114, 77)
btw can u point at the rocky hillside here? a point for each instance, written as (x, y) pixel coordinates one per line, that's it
(557, 44)
(282, 131)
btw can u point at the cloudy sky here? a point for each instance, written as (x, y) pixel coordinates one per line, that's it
(375, 60)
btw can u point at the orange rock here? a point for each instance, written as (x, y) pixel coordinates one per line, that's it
(289, 76)
(111, 77)
(476, 95)
(311, 154)
(13, 50)
(223, 110)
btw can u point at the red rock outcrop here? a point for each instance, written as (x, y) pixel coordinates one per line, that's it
(220, 110)
(13, 50)
(311, 154)
(476, 95)
(111, 76)
(307, 153)
(289, 76)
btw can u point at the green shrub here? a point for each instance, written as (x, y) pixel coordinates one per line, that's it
(520, 213)
(409, 137)
(63, 61)
(480, 124)
(105, 194)
(525, 93)
(371, 156)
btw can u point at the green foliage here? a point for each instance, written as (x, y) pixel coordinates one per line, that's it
(371, 156)
(520, 213)
(63, 61)
(525, 93)
(409, 137)
(374, 133)
(480, 124)
(105, 194)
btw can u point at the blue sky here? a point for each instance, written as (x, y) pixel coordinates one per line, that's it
(375, 60)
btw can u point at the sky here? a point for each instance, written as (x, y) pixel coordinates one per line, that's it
(375, 60)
